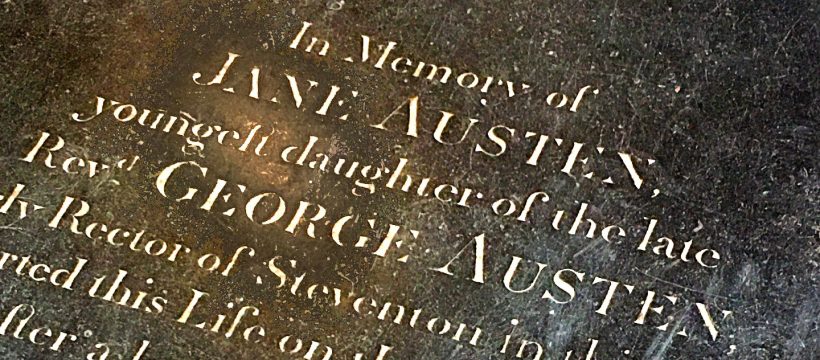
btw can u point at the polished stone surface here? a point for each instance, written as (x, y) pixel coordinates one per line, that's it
(723, 95)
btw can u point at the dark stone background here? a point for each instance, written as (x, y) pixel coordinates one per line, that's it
(737, 150)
